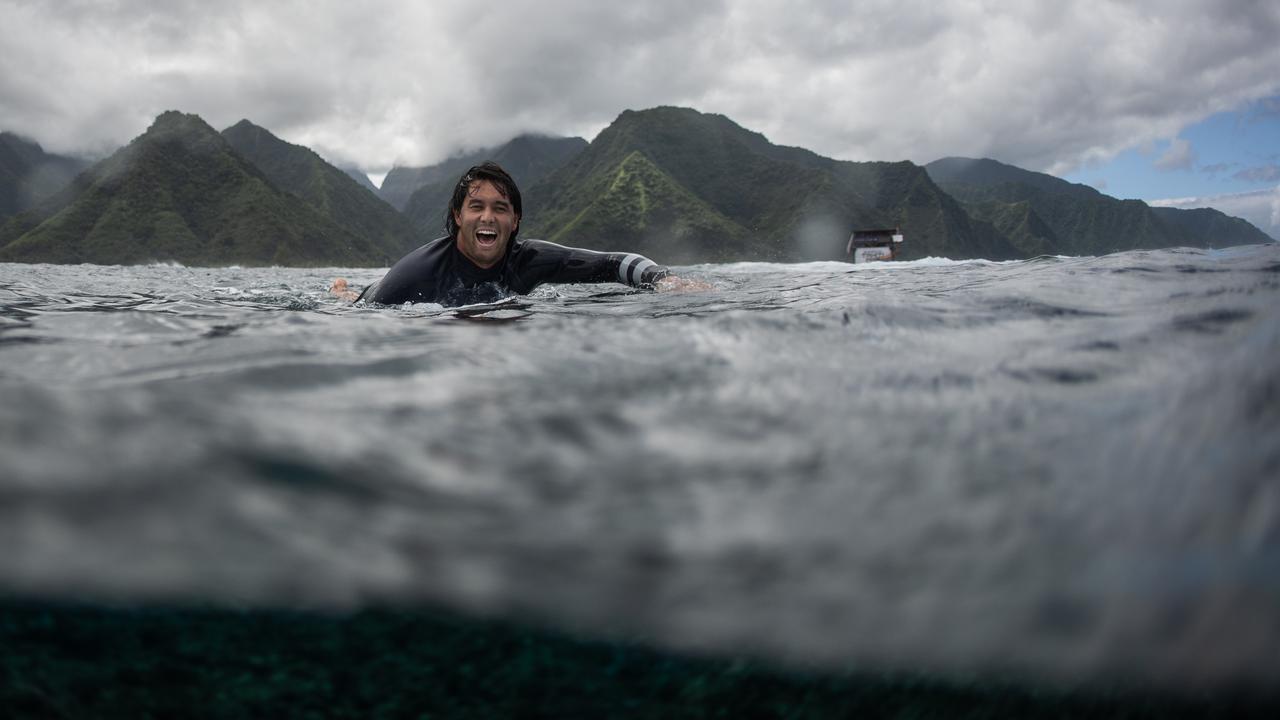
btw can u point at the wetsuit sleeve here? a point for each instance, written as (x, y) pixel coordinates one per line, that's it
(638, 270)
(369, 292)
(545, 262)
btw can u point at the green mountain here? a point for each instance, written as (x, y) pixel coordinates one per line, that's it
(332, 192)
(527, 157)
(400, 184)
(1042, 214)
(685, 186)
(1020, 225)
(28, 174)
(361, 178)
(1213, 228)
(642, 208)
(676, 184)
(179, 192)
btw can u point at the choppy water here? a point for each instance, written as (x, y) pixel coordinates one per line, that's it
(1063, 466)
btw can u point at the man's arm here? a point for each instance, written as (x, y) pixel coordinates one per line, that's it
(640, 271)
(539, 261)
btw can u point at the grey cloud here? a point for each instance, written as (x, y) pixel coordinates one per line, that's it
(1042, 85)
(1264, 173)
(588, 63)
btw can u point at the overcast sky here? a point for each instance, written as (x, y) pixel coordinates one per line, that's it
(1065, 87)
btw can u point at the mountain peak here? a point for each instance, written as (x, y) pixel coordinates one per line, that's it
(665, 114)
(975, 171)
(13, 139)
(181, 192)
(189, 130)
(298, 170)
(246, 132)
(173, 120)
(246, 128)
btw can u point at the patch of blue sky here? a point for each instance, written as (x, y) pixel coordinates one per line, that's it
(1230, 152)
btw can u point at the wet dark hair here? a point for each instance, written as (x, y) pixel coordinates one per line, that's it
(494, 173)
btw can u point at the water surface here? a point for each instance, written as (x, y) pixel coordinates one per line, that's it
(1062, 466)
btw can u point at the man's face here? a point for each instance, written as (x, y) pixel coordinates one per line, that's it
(485, 224)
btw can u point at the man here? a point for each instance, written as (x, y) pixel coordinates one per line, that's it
(480, 260)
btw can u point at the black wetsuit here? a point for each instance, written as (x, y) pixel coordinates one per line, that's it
(439, 273)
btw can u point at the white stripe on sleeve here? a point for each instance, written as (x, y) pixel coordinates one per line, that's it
(631, 270)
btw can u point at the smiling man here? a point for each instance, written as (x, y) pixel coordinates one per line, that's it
(481, 260)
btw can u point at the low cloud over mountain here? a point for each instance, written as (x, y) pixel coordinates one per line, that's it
(1046, 86)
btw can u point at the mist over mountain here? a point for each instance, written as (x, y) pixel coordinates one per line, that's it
(1042, 214)
(360, 176)
(180, 192)
(28, 174)
(401, 182)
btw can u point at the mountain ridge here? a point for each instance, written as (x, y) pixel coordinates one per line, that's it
(1077, 219)
(28, 174)
(674, 183)
(180, 193)
(795, 204)
(328, 189)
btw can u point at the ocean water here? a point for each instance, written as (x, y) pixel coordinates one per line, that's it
(1062, 467)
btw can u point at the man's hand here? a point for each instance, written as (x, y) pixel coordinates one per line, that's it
(672, 283)
(339, 288)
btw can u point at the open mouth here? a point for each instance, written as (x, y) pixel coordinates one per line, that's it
(486, 237)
